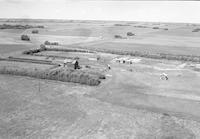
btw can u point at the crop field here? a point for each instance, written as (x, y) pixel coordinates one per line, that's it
(38, 39)
(84, 58)
(10, 48)
(116, 91)
(120, 46)
(18, 65)
(69, 54)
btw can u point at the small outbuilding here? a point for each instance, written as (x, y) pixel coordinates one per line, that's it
(127, 60)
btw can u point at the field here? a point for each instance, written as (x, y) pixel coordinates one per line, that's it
(103, 98)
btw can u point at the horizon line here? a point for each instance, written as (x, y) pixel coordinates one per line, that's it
(17, 18)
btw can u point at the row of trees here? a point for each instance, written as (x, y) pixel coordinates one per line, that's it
(51, 43)
(44, 48)
(191, 58)
(196, 30)
(8, 26)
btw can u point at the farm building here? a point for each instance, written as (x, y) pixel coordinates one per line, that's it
(71, 63)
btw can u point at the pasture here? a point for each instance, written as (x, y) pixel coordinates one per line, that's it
(102, 98)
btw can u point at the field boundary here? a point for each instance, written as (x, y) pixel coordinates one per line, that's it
(190, 58)
(27, 60)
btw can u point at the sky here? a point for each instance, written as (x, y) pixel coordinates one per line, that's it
(157, 11)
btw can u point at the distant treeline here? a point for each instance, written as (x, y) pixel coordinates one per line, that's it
(178, 57)
(196, 30)
(140, 26)
(122, 25)
(32, 51)
(51, 43)
(8, 26)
